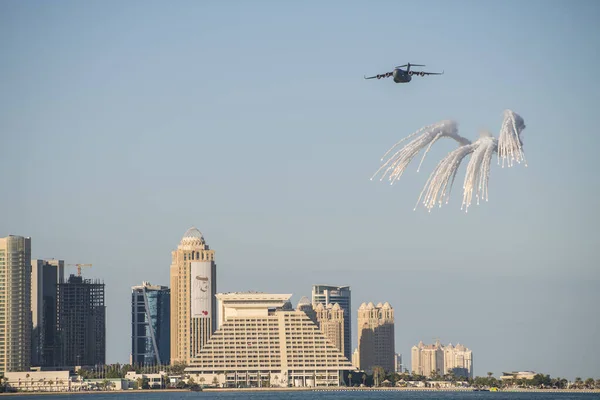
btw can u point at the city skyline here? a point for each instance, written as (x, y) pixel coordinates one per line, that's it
(188, 246)
(125, 124)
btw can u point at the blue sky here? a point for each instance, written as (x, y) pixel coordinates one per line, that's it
(124, 123)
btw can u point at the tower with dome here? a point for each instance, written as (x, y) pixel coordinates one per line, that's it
(193, 288)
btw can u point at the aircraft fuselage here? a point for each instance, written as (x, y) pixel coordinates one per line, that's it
(401, 76)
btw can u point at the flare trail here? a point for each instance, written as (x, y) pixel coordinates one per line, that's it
(509, 147)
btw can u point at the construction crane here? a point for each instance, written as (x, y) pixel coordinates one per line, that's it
(79, 267)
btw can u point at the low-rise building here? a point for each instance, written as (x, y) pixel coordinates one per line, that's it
(154, 381)
(59, 381)
(517, 375)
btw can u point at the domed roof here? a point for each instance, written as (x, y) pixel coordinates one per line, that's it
(370, 306)
(304, 301)
(193, 232)
(319, 307)
(386, 305)
(362, 306)
(336, 307)
(192, 237)
(379, 305)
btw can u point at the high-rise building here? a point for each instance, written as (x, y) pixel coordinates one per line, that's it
(45, 275)
(193, 289)
(458, 360)
(376, 345)
(263, 341)
(81, 322)
(15, 303)
(150, 324)
(427, 360)
(399, 367)
(356, 359)
(326, 294)
(330, 320)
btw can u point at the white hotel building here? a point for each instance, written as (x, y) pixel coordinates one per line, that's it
(262, 341)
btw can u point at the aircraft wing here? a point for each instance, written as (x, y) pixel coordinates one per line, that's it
(423, 73)
(379, 76)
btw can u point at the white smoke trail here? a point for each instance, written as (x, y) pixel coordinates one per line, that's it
(439, 184)
(510, 146)
(477, 176)
(397, 163)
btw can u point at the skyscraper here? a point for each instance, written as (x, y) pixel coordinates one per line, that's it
(330, 321)
(193, 289)
(399, 367)
(325, 294)
(150, 324)
(376, 345)
(458, 360)
(45, 275)
(15, 303)
(427, 360)
(81, 322)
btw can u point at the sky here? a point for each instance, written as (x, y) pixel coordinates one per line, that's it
(123, 124)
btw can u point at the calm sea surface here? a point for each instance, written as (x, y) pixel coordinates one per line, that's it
(319, 395)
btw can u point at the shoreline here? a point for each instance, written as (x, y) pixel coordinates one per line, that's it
(291, 389)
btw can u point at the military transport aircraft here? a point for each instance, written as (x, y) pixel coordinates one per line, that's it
(404, 76)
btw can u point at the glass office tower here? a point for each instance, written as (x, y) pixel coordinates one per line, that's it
(150, 324)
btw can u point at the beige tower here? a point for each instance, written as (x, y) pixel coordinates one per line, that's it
(330, 320)
(458, 360)
(193, 303)
(15, 303)
(376, 337)
(427, 359)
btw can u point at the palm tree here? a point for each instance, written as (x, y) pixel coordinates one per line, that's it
(364, 378)
(202, 381)
(350, 378)
(378, 372)
(589, 383)
(578, 382)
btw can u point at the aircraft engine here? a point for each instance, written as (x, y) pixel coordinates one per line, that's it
(422, 73)
(410, 72)
(378, 76)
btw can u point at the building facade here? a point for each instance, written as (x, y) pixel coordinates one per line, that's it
(399, 367)
(80, 322)
(45, 275)
(15, 303)
(193, 278)
(330, 320)
(326, 294)
(263, 341)
(376, 343)
(458, 360)
(150, 324)
(427, 360)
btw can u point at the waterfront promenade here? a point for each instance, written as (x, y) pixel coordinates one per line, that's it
(303, 389)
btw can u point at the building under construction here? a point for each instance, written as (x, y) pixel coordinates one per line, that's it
(81, 322)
